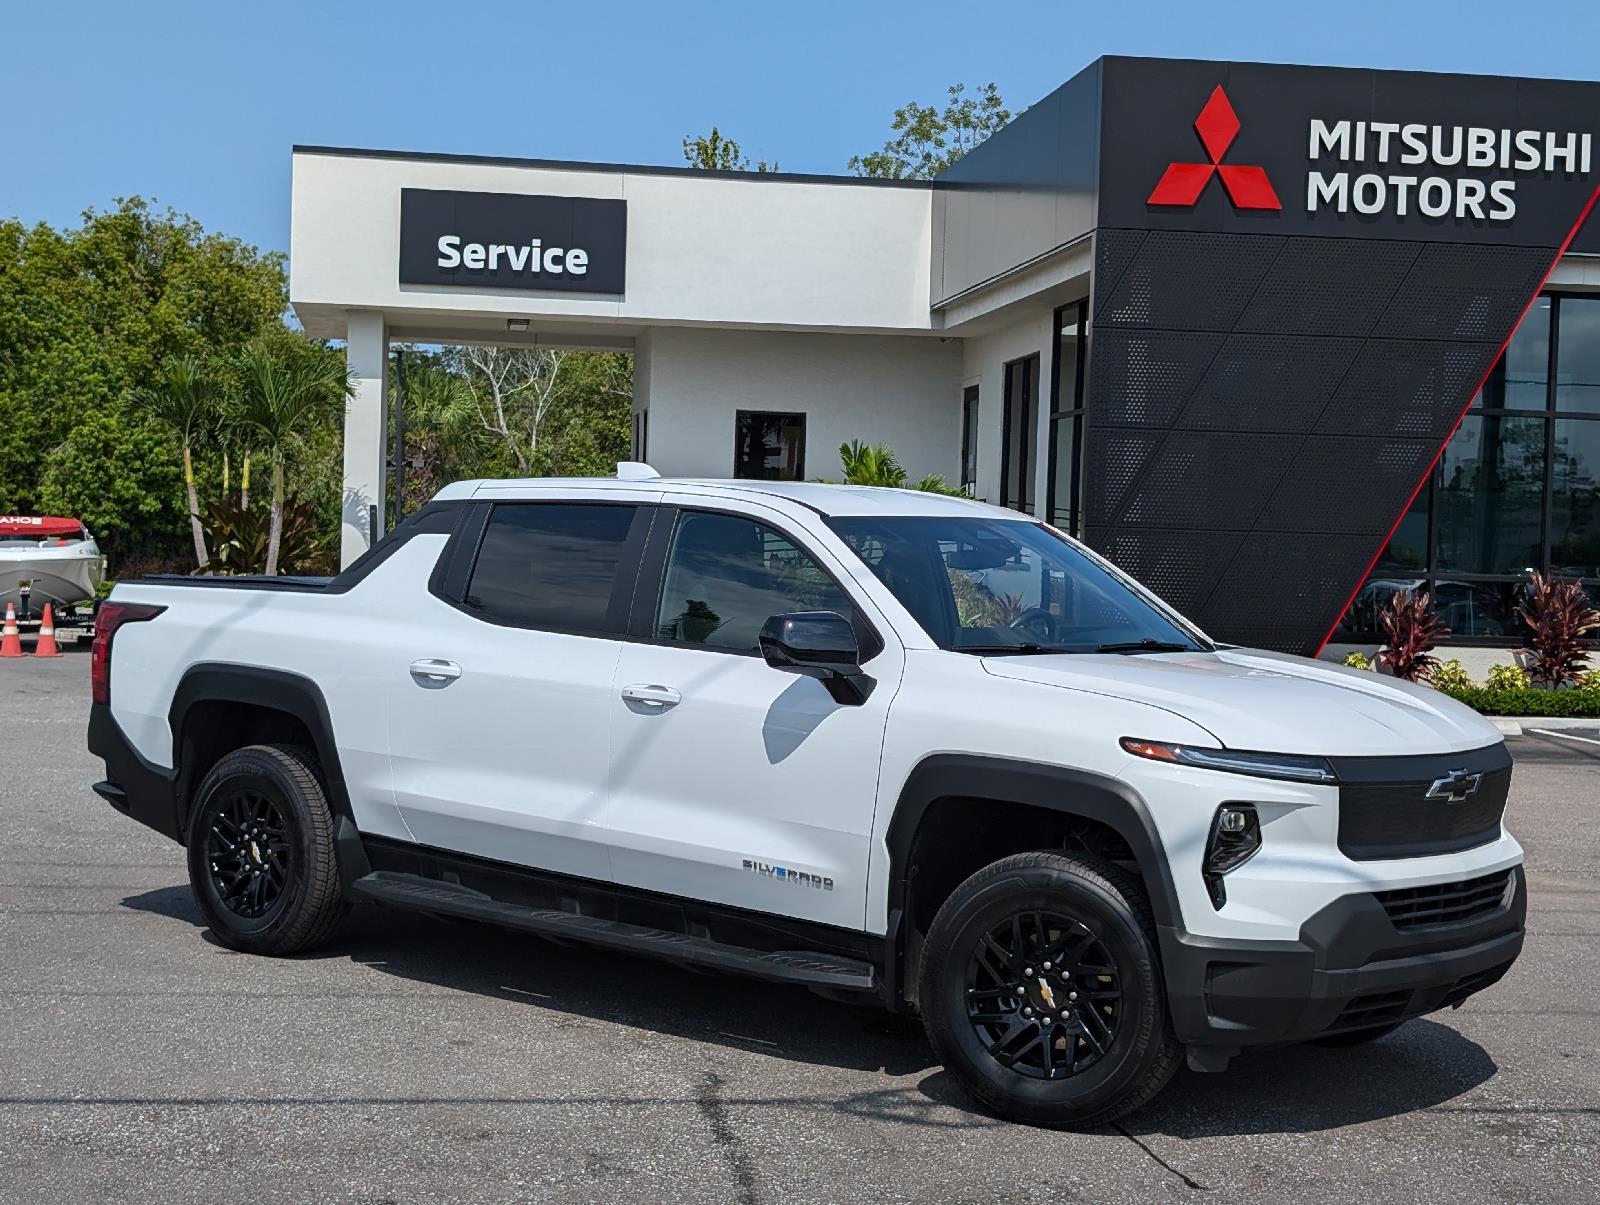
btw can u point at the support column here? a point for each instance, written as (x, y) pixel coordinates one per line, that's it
(366, 430)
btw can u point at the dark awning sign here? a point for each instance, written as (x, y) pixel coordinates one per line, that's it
(513, 241)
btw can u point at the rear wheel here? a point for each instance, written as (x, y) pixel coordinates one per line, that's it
(1042, 992)
(261, 852)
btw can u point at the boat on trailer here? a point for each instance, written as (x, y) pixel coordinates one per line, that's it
(47, 559)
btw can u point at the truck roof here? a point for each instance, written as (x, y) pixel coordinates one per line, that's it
(819, 496)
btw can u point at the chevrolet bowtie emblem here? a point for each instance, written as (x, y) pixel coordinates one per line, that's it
(1049, 996)
(1455, 786)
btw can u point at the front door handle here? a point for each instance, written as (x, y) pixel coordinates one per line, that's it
(660, 697)
(432, 669)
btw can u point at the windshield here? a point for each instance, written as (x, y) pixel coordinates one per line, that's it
(981, 585)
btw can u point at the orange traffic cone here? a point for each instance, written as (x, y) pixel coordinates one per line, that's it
(46, 646)
(10, 638)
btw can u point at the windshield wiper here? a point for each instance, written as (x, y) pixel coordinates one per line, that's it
(1144, 646)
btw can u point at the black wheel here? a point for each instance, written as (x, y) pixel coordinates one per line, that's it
(1042, 992)
(1357, 1037)
(261, 852)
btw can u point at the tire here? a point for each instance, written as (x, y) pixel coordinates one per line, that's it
(261, 855)
(1357, 1037)
(1088, 1064)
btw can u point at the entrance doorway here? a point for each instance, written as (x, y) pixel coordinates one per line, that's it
(1019, 433)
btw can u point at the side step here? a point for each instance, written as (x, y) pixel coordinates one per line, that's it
(451, 899)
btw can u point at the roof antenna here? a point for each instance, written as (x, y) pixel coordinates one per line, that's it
(636, 470)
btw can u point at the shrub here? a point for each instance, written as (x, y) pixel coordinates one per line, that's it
(239, 537)
(1357, 661)
(1559, 617)
(1530, 701)
(1412, 628)
(1450, 676)
(1507, 677)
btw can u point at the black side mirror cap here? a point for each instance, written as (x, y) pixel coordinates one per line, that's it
(821, 645)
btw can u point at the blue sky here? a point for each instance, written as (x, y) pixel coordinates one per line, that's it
(197, 104)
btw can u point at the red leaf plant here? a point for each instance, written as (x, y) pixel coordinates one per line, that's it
(1412, 629)
(1558, 616)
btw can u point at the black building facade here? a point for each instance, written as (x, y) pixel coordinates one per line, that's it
(1302, 281)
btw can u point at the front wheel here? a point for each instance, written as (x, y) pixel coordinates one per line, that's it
(1042, 992)
(261, 853)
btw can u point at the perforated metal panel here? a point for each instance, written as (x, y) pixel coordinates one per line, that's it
(1261, 407)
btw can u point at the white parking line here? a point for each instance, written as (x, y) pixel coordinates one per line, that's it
(1566, 736)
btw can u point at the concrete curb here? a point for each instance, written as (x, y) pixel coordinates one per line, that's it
(1513, 725)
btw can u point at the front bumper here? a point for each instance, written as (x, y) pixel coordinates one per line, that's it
(1351, 969)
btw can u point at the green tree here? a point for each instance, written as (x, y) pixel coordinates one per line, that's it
(185, 402)
(714, 153)
(927, 139)
(287, 386)
(88, 315)
(116, 476)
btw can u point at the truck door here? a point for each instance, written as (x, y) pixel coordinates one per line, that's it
(498, 734)
(731, 781)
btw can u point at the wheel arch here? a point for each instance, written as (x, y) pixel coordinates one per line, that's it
(219, 707)
(1044, 798)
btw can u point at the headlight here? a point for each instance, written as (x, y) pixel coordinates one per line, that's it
(1291, 766)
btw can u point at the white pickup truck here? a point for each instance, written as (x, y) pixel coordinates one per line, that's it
(880, 743)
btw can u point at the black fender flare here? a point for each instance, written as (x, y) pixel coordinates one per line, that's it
(1097, 797)
(279, 690)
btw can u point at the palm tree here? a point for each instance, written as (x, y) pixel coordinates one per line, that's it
(284, 389)
(185, 400)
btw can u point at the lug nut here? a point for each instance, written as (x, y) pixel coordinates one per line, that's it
(1027, 1012)
(1027, 970)
(1072, 995)
(1047, 966)
(1022, 991)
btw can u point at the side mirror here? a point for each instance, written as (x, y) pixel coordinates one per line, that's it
(818, 644)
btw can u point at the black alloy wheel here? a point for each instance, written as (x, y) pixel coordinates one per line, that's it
(1041, 990)
(262, 859)
(1043, 994)
(247, 849)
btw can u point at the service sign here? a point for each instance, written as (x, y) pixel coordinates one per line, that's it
(513, 241)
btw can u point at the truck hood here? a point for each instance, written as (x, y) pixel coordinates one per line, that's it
(1250, 699)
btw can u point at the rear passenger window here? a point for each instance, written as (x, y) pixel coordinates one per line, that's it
(726, 576)
(551, 565)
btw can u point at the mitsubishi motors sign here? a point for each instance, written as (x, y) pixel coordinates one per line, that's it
(1364, 154)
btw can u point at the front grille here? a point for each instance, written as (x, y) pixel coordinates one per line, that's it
(1378, 1008)
(1445, 903)
(1385, 812)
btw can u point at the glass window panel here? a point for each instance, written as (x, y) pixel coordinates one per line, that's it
(550, 566)
(969, 439)
(1360, 622)
(1063, 450)
(1490, 494)
(1066, 397)
(726, 576)
(1519, 380)
(769, 447)
(1478, 608)
(1578, 355)
(1575, 499)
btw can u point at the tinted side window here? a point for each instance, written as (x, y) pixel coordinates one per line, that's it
(550, 565)
(726, 576)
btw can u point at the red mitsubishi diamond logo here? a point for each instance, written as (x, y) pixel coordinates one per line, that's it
(1247, 185)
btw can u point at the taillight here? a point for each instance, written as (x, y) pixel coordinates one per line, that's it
(110, 617)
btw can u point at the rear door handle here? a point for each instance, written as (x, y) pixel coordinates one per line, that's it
(652, 696)
(432, 669)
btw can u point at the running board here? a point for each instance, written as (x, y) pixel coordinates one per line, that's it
(451, 899)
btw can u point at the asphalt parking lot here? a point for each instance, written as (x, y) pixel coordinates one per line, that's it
(418, 1061)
